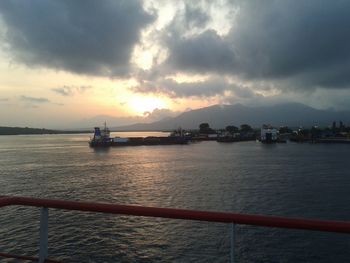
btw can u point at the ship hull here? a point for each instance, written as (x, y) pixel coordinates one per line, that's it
(140, 142)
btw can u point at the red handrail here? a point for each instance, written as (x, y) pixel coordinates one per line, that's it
(244, 219)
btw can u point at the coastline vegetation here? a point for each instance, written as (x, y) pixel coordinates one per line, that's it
(205, 131)
(28, 131)
(334, 133)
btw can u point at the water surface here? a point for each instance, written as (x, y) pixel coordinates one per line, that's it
(297, 180)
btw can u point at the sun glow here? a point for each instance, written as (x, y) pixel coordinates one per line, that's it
(139, 105)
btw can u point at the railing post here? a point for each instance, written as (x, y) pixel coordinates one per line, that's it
(44, 226)
(232, 237)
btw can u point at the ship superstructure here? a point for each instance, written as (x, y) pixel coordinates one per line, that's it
(101, 137)
(268, 134)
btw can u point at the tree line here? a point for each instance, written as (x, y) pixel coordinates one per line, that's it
(205, 128)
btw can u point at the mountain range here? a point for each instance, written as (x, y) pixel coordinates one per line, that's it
(148, 117)
(220, 116)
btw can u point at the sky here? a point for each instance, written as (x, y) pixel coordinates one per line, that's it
(63, 62)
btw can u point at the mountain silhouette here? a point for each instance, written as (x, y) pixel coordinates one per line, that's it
(220, 116)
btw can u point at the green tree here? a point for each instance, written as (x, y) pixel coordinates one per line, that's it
(246, 128)
(205, 128)
(232, 129)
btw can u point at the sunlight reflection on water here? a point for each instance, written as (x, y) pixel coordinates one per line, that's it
(299, 180)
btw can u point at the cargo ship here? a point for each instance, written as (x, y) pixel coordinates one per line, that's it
(102, 138)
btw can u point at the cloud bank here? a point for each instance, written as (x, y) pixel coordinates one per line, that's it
(85, 37)
(272, 51)
(291, 48)
(304, 44)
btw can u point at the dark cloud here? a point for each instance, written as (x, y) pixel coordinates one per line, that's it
(87, 37)
(304, 44)
(4, 99)
(195, 17)
(203, 53)
(71, 90)
(175, 89)
(303, 39)
(189, 15)
(206, 88)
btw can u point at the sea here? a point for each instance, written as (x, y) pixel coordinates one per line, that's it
(291, 180)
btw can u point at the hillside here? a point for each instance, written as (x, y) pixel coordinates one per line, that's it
(219, 116)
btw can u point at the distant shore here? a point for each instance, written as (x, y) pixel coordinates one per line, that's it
(32, 131)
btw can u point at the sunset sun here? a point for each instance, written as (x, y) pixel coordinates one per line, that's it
(139, 105)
